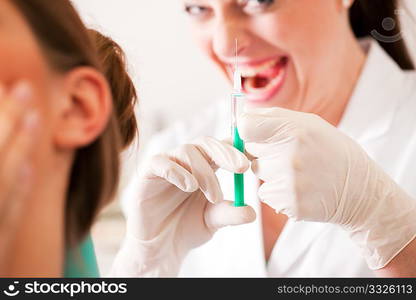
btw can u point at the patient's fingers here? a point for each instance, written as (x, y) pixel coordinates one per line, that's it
(18, 133)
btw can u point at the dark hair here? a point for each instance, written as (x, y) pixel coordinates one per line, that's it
(366, 16)
(113, 60)
(94, 177)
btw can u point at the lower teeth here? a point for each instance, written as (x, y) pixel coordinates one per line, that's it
(259, 85)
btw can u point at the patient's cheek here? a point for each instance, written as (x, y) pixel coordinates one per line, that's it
(24, 62)
(21, 57)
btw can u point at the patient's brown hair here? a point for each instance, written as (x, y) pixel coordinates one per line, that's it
(67, 44)
(113, 60)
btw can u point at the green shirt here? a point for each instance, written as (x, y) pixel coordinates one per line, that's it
(81, 261)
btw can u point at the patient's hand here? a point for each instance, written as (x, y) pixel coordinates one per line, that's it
(18, 131)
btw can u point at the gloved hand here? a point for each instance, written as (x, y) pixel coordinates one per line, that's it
(313, 172)
(178, 206)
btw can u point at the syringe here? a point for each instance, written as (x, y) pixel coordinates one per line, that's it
(237, 106)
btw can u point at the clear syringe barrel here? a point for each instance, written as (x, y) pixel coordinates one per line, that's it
(237, 108)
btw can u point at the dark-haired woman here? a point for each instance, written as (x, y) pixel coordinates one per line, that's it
(342, 60)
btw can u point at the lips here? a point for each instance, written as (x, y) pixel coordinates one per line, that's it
(262, 81)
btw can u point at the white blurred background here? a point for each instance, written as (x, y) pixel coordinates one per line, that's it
(173, 78)
(170, 73)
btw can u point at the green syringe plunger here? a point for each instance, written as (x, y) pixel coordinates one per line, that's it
(238, 178)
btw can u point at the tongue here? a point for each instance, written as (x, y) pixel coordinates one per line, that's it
(260, 82)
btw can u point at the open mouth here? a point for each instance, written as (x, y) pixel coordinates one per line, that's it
(262, 82)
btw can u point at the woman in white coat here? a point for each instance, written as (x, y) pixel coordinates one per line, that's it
(313, 57)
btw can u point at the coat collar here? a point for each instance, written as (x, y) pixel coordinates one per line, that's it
(371, 108)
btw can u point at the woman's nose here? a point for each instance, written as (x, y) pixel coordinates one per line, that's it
(228, 36)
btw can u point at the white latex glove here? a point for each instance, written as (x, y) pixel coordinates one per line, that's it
(179, 206)
(313, 172)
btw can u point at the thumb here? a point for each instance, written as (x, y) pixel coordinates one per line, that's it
(266, 125)
(222, 155)
(224, 213)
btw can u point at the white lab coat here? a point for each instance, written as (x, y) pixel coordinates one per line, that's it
(381, 117)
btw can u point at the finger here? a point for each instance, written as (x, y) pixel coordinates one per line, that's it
(18, 137)
(164, 167)
(216, 154)
(17, 153)
(249, 155)
(12, 109)
(267, 169)
(262, 128)
(224, 213)
(272, 160)
(229, 141)
(222, 155)
(190, 157)
(283, 150)
(279, 195)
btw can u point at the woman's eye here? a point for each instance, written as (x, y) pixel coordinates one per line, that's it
(196, 11)
(253, 6)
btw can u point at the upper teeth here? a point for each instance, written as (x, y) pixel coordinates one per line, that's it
(253, 71)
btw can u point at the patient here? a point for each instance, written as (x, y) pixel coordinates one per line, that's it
(74, 108)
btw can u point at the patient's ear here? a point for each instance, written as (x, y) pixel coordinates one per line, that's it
(85, 110)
